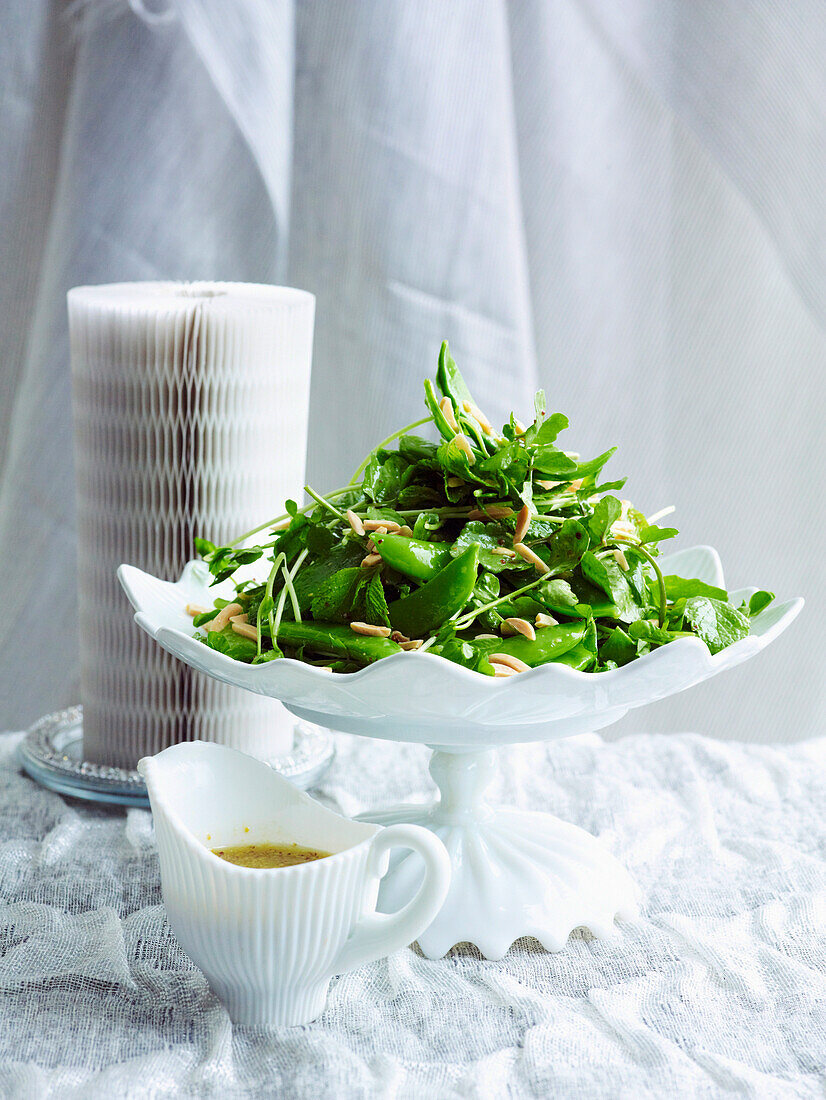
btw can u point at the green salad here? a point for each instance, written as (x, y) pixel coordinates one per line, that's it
(496, 550)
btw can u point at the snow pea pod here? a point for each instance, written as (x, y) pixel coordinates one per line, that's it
(332, 639)
(438, 599)
(551, 643)
(413, 557)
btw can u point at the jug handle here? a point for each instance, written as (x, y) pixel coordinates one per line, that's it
(379, 934)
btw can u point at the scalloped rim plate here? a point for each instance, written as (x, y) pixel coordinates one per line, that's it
(427, 698)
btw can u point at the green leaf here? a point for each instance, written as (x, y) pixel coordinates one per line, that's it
(717, 623)
(320, 540)
(683, 588)
(426, 523)
(607, 575)
(565, 548)
(557, 595)
(549, 460)
(375, 603)
(463, 653)
(383, 476)
(335, 595)
(204, 547)
(643, 630)
(490, 538)
(311, 577)
(759, 602)
(651, 533)
(618, 647)
(591, 470)
(233, 645)
(448, 378)
(417, 450)
(606, 512)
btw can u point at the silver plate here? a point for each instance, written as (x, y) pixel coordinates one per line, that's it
(52, 753)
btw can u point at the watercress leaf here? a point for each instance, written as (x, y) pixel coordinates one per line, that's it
(418, 495)
(273, 654)
(549, 460)
(463, 653)
(548, 431)
(643, 630)
(204, 547)
(650, 532)
(565, 548)
(589, 471)
(606, 574)
(490, 538)
(683, 588)
(291, 508)
(716, 622)
(618, 648)
(606, 512)
(232, 644)
(557, 595)
(249, 555)
(454, 461)
(759, 602)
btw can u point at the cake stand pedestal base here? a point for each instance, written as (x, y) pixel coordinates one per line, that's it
(515, 874)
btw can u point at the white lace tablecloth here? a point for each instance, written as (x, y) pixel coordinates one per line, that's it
(719, 990)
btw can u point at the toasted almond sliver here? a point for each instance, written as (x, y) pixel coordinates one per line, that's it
(621, 560)
(545, 620)
(547, 484)
(194, 609)
(511, 662)
(506, 551)
(463, 444)
(523, 522)
(515, 625)
(528, 554)
(576, 485)
(370, 631)
(405, 530)
(502, 670)
(370, 561)
(381, 526)
(479, 637)
(239, 618)
(223, 616)
(355, 522)
(455, 482)
(446, 405)
(246, 630)
(414, 643)
(398, 637)
(478, 416)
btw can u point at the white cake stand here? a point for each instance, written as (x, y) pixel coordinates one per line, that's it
(514, 874)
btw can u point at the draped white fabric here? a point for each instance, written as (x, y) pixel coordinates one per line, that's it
(622, 202)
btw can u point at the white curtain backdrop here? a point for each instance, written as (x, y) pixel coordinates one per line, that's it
(624, 203)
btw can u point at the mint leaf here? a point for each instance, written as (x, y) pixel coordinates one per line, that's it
(335, 596)
(759, 602)
(375, 602)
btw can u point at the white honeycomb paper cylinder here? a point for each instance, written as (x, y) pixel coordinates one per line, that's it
(190, 405)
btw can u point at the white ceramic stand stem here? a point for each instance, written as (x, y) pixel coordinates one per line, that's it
(514, 873)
